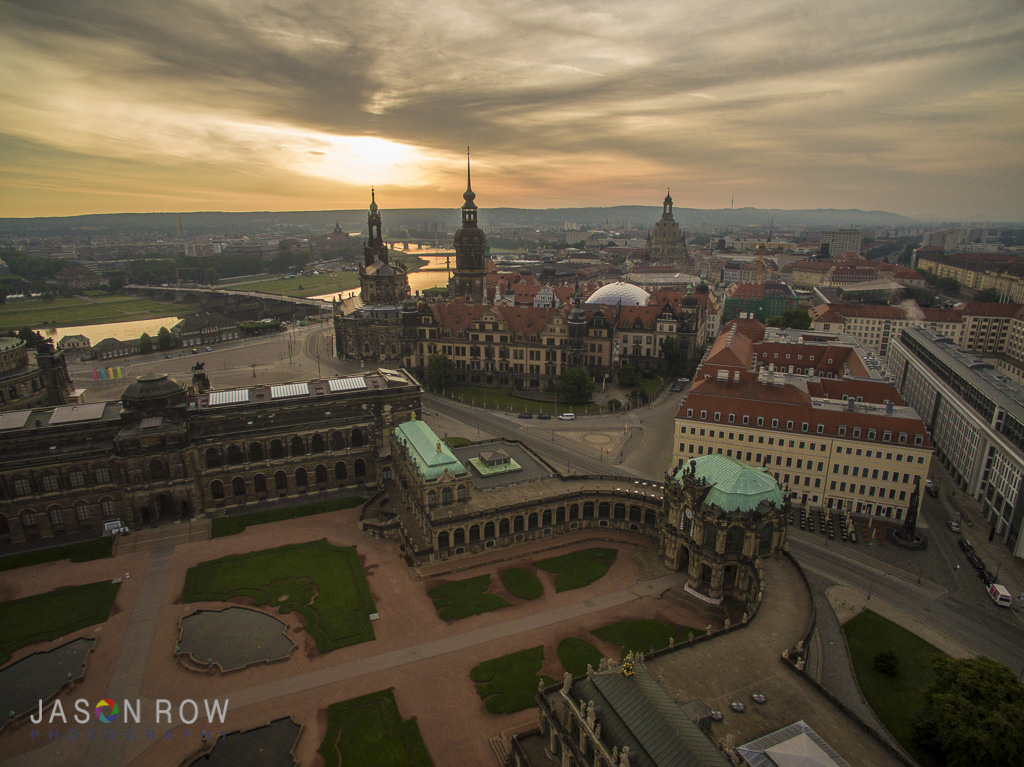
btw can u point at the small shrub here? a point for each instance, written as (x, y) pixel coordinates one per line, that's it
(887, 662)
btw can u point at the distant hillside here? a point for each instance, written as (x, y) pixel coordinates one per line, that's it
(312, 222)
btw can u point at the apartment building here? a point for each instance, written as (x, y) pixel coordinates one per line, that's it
(813, 410)
(976, 419)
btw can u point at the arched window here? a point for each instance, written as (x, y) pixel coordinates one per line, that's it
(158, 469)
(545, 518)
(340, 472)
(255, 452)
(56, 514)
(301, 480)
(588, 510)
(316, 444)
(360, 467)
(107, 507)
(503, 527)
(635, 514)
(474, 533)
(734, 540)
(259, 483)
(442, 539)
(710, 536)
(446, 496)
(459, 537)
(431, 499)
(298, 446)
(489, 530)
(764, 544)
(83, 514)
(460, 493)
(321, 474)
(560, 515)
(238, 487)
(212, 458)
(337, 441)
(603, 509)
(29, 519)
(574, 511)
(217, 489)
(532, 521)
(277, 449)
(517, 524)
(620, 511)
(357, 438)
(235, 455)
(281, 481)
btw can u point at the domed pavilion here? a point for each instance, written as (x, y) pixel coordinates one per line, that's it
(719, 516)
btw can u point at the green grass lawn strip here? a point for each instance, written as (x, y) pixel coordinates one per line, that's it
(232, 525)
(35, 312)
(509, 683)
(522, 583)
(369, 730)
(338, 615)
(578, 569)
(300, 287)
(637, 635)
(49, 616)
(896, 699)
(575, 654)
(460, 599)
(85, 551)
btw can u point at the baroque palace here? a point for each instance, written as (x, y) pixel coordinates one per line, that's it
(495, 341)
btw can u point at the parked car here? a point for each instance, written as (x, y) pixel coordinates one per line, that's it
(677, 387)
(545, 416)
(965, 545)
(953, 525)
(976, 562)
(986, 577)
(567, 417)
(931, 488)
(526, 415)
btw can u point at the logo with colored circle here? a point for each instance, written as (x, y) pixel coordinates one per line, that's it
(107, 711)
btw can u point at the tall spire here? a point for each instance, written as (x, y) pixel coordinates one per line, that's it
(469, 195)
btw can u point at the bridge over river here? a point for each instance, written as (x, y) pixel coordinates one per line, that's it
(244, 304)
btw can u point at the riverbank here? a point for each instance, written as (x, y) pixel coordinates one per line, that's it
(93, 308)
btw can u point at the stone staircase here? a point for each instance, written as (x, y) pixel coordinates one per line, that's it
(649, 563)
(700, 608)
(163, 537)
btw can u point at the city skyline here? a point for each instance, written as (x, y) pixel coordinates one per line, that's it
(201, 105)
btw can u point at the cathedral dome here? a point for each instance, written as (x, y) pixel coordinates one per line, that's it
(619, 294)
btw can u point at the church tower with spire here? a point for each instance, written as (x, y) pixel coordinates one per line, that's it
(379, 281)
(469, 278)
(669, 242)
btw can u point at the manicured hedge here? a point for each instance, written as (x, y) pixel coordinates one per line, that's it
(86, 551)
(222, 526)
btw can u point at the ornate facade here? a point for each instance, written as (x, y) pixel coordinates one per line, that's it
(165, 452)
(23, 384)
(719, 516)
(668, 244)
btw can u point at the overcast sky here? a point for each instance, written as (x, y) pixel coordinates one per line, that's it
(911, 106)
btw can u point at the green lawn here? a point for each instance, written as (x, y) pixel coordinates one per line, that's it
(522, 583)
(300, 287)
(579, 568)
(575, 654)
(457, 441)
(85, 551)
(650, 385)
(509, 683)
(505, 399)
(369, 731)
(896, 699)
(287, 578)
(49, 616)
(76, 310)
(637, 635)
(222, 526)
(460, 599)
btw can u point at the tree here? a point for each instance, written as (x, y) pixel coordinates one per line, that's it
(973, 714)
(629, 375)
(988, 296)
(145, 344)
(673, 356)
(440, 372)
(796, 318)
(887, 662)
(575, 385)
(32, 338)
(164, 340)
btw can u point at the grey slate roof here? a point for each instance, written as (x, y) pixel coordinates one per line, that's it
(637, 712)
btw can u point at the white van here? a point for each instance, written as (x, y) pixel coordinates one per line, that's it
(1000, 595)
(567, 417)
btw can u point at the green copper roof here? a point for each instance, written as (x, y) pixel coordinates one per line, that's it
(735, 485)
(432, 456)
